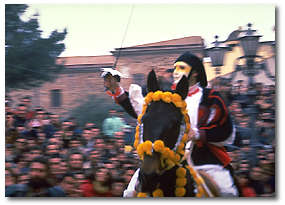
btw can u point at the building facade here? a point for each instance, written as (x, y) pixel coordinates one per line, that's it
(81, 76)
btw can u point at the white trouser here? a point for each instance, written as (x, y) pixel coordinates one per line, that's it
(222, 177)
(219, 174)
(129, 192)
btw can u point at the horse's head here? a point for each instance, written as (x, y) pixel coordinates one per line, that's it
(161, 121)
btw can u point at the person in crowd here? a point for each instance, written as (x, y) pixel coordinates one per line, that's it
(75, 160)
(245, 188)
(112, 124)
(27, 101)
(118, 187)
(20, 115)
(56, 173)
(89, 136)
(38, 184)
(99, 184)
(52, 149)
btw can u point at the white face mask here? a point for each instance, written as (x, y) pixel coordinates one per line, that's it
(180, 69)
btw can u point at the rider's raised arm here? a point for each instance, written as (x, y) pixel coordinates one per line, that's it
(124, 101)
(113, 89)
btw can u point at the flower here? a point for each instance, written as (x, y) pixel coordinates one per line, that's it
(141, 194)
(136, 143)
(147, 147)
(172, 155)
(184, 105)
(157, 193)
(199, 195)
(181, 182)
(181, 146)
(157, 95)
(186, 118)
(182, 152)
(188, 126)
(177, 157)
(158, 146)
(166, 97)
(166, 152)
(184, 138)
(170, 163)
(144, 108)
(180, 191)
(140, 150)
(148, 98)
(137, 128)
(180, 172)
(139, 118)
(178, 104)
(176, 97)
(200, 192)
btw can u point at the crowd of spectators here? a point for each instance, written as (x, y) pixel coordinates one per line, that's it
(253, 153)
(49, 156)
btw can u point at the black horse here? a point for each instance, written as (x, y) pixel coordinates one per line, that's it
(162, 121)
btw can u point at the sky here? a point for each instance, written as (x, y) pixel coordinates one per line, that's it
(97, 29)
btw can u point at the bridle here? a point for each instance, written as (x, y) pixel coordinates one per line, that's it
(169, 158)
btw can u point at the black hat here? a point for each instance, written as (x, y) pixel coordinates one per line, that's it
(196, 64)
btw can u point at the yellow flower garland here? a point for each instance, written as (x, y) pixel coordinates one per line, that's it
(169, 158)
(157, 193)
(199, 182)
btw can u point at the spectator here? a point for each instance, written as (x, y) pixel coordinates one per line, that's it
(89, 138)
(256, 178)
(75, 160)
(112, 124)
(23, 178)
(55, 121)
(20, 115)
(28, 103)
(68, 185)
(56, 173)
(245, 188)
(52, 148)
(99, 184)
(38, 184)
(118, 187)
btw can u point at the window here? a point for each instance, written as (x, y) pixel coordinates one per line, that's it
(55, 98)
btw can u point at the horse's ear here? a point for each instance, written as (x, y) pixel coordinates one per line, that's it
(182, 87)
(152, 84)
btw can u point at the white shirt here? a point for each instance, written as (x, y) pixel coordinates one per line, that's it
(193, 103)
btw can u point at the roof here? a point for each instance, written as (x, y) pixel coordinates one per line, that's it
(234, 35)
(179, 41)
(86, 60)
(181, 44)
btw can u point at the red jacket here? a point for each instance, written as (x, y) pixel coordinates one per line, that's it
(88, 190)
(247, 191)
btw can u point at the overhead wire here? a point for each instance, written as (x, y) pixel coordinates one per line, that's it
(124, 36)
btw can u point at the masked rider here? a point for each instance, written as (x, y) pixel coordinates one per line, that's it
(210, 120)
